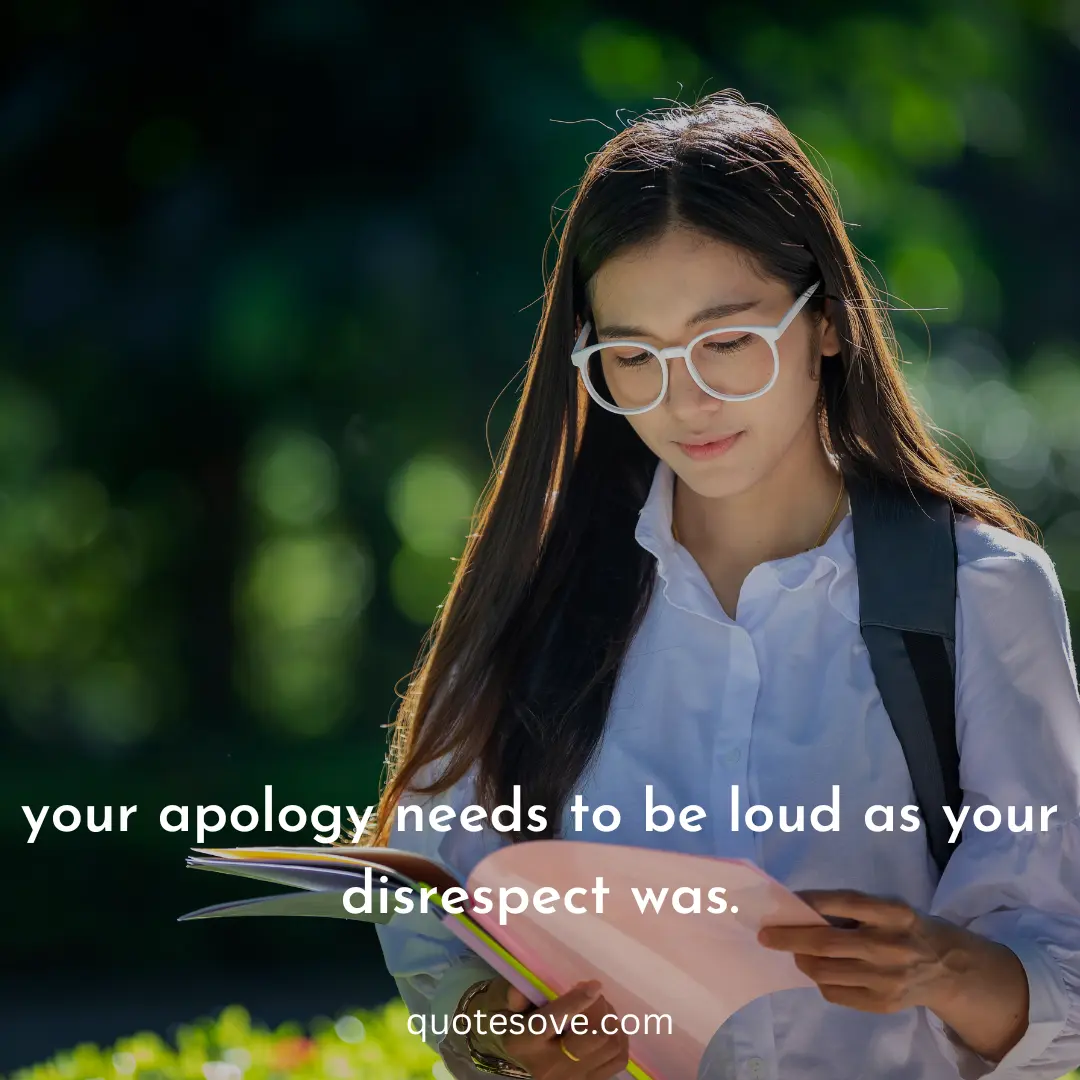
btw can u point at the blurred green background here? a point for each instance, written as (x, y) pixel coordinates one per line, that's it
(270, 274)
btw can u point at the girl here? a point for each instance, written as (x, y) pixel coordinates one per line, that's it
(662, 591)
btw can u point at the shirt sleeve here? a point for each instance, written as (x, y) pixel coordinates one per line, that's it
(1018, 731)
(431, 967)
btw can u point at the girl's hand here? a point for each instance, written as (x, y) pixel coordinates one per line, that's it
(600, 1056)
(890, 957)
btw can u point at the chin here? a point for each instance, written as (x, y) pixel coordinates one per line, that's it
(711, 480)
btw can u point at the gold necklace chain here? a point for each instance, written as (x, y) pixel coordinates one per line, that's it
(821, 536)
(832, 517)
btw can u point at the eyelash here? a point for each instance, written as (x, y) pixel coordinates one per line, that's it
(633, 361)
(725, 349)
(731, 346)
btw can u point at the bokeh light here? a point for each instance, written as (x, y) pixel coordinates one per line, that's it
(293, 477)
(430, 502)
(300, 582)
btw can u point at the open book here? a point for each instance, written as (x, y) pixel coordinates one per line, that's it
(661, 944)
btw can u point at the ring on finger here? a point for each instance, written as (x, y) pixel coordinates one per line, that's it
(562, 1047)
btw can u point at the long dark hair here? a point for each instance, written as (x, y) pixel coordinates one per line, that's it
(517, 671)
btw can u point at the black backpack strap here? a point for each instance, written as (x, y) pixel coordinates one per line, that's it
(905, 554)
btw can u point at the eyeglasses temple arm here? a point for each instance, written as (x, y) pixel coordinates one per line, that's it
(798, 306)
(583, 337)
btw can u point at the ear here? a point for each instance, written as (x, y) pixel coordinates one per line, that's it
(829, 337)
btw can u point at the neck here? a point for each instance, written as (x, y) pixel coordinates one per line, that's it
(780, 515)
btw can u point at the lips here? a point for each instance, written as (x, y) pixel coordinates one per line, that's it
(703, 451)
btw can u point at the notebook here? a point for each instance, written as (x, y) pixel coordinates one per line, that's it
(671, 937)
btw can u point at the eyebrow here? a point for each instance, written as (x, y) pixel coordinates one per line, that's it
(716, 311)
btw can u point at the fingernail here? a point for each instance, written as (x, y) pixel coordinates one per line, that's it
(590, 987)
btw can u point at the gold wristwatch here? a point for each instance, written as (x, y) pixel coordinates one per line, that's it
(488, 1063)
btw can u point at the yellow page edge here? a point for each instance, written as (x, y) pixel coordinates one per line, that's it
(632, 1068)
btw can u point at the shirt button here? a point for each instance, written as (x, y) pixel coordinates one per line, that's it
(732, 758)
(757, 1068)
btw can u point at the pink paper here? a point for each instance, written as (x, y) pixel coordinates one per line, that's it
(698, 968)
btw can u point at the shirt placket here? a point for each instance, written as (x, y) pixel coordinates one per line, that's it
(750, 1042)
(737, 699)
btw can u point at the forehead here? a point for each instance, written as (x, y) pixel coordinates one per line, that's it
(682, 269)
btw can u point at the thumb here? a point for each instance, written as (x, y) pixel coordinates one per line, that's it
(516, 1001)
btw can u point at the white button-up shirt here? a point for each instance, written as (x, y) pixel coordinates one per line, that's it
(782, 702)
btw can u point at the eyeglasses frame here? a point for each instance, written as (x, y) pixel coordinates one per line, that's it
(580, 354)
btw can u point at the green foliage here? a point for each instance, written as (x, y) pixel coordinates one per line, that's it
(358, 1045)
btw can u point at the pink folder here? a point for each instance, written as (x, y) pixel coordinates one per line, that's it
(696, 968)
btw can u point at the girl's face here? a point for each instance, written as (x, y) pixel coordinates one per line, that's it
(657, 294)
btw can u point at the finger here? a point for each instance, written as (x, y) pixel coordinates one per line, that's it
(558, 1014)
(501, 995)
(866, 943)
(583, 1039)
(852, 904)
(544, 1056)
(828, 971)
(586, 1044)
(597, 1010)
(609, 1048)
(816, 940)
(611, 1065)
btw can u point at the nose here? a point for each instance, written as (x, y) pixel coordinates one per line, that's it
(685, 399)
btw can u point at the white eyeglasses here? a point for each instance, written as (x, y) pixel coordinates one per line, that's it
(735, 363)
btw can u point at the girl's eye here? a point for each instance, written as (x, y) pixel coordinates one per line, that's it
(629, 357)
(724, 346)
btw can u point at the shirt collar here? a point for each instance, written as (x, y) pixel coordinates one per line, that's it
(684, 582)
